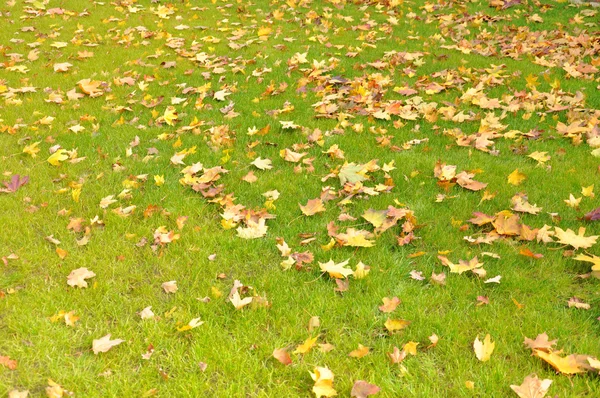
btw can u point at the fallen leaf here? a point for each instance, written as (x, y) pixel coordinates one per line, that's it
(532, 387)
(483, 350)
(77, 277)
(362, 389)
(104, 344)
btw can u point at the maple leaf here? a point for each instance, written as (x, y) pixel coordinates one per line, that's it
(572, 201)
(351, 172)
(362, 389)
(541, 342)
(32, 149)
(566, 365)
(393, 325)
(410, 347)
(532, 387)
(282, 356)
(360, 352)
(194, 323)
(15, 183)
(77, 277)
(9, 363)
(577, 241)
(578, 303)
(334, 270)
(239, 302)
(18, 394)
(58, 157)
(375, 217)
(516, 177)
(170, 286)
(389, 305)
(323, 378)
(254, 230)
(307, 345)
(466, 181)
(540, 157)
(590, 259)
(262, 164)
(483, 350)
(312, 207)
(104, 344)
(396, 356)
(593, 215)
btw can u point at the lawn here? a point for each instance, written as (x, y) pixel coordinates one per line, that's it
(299, 198)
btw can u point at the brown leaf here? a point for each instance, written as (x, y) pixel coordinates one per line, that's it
(541, 342)
(282, 356)
(9, 363)
(362, 389)
(389, 305)
(532, 387)
(313, 206)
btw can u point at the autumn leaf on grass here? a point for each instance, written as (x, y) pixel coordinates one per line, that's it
(375, 217)
(239, 302)
(194, 323)
(104, 344)
(397, 355)
(566, 365)
(323, 378)
(577, 241)
(540, 157)
(466, 181)
(532, 387)
(54, 390)
(483, 350)
(313, 206)
(410, 348)
(393, 325)
(362, 389)
(590, 259)
(389, 305)
(18, 394)
(355, 238)
(360, 352)
(58, 157)
(572, 201)
(541, 342)
(282, 356)
(516, 177)
(254, 230)
(334, 270)
(578, 303)
(351, 172)
(77, 277)
(9, 363)
(170, 286)
(14, 184)
(307, 345)
(262, 164)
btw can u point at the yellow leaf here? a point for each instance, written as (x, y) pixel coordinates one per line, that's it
(307, 345)
(396, 324)
(323, 378)
(32, 149)
(336, 270)
(57, 157)
(588, 192)
(159, 180)
(410, 348)
(567, 365)
(516, 178)
(360, 352)
(483, 350)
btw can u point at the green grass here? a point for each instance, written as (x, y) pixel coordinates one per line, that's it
(236, 345)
